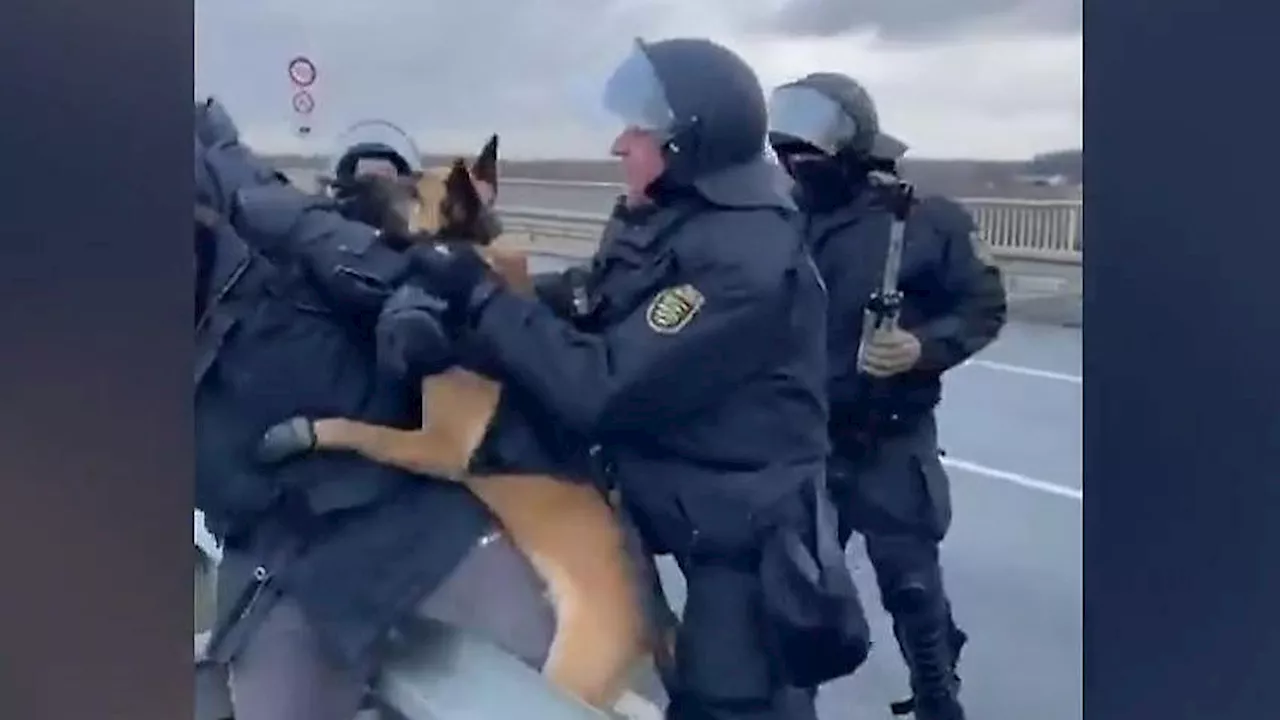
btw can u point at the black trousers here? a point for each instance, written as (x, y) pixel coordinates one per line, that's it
(896, 494)
(726, 668)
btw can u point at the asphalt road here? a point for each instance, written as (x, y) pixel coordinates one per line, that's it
(1011, 426)
(1010, 423)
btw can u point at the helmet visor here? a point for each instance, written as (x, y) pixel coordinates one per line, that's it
(799, 114)
(634, 95)
(376, 144)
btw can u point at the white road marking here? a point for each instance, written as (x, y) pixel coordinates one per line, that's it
(1043, 486)
(633, 706)
(1028, 371)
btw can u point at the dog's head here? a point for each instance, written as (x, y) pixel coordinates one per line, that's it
(457, 203)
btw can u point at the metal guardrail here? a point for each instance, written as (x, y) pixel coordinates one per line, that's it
(1047, 231)
(1038, 231)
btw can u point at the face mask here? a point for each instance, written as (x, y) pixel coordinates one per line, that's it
(822, 184)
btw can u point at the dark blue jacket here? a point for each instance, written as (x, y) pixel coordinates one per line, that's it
(292, 293)
(954, 298)
(693, 355)
(698, 370)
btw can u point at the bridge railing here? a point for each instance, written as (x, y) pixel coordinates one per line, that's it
(1030, 230)
(1038, 231)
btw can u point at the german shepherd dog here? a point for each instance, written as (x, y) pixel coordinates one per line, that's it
(597, 578)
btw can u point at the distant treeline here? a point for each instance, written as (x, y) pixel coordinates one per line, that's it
(1068, 163)
(959, 178)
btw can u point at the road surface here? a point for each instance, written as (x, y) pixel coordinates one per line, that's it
(1010, 423)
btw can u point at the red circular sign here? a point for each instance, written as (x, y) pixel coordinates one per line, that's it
(303, 103)
(302, 71)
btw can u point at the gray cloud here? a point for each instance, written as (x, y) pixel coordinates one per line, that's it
(923, 20)
(444, 70)
(532, 70)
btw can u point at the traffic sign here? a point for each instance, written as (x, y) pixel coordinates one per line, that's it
(303, 103)
(302, 71)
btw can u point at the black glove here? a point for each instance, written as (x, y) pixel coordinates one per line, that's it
(411, 337)
(566, 293)
(451, 271)
(286, 440)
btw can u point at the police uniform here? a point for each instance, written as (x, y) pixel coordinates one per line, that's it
(696, 362)
(322, 556)
(885, 471)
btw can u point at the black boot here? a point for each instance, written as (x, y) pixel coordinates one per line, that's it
(958, 640)
(931, 645)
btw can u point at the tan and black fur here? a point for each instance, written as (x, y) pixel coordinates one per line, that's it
(568, 531)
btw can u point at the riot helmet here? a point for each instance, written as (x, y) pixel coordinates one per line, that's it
(707, 110)
(374, 146)
(831, 114)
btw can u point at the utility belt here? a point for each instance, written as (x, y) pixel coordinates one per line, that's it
(856, 430)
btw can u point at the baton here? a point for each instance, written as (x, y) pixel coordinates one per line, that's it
(885, 306)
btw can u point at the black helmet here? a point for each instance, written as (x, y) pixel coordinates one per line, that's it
(708, 109)
(831, 113)
(374, 140)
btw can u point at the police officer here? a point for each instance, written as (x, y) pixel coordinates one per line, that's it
(696, 362)
(885, 471)
(324, 555)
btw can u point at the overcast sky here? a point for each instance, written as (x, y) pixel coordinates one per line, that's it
(999, 79)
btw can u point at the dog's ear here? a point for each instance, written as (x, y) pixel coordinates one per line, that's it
(485, 167)
(462, 204)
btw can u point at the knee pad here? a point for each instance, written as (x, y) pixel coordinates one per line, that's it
(911, 596)
(908, 574)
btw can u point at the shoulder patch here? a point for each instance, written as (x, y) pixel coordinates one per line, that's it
(981, 249)
(672, 309)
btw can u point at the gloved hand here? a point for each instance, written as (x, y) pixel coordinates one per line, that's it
(451, 270)
(890, 352)
(566, 293)
(411, 338)
(286, 440)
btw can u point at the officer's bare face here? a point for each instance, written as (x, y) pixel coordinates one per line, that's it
(642, 163)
